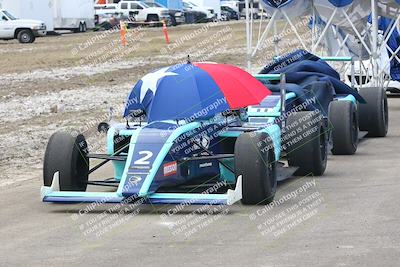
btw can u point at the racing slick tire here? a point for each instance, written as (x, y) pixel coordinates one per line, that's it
(343, 118)
(257, 165)
(67, 155)
(308, 148)
(374, 115)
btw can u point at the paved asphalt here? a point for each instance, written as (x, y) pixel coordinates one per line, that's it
(350, 217)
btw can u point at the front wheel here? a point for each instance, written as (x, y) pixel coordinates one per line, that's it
(26, 37)
(255, 161)
(67, 155)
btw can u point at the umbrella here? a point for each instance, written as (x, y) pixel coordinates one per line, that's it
(197, 91)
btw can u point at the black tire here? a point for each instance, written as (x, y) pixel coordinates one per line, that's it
(343, 118)
(173, 21)
(26, 37)
(81, 28)
(68, 155)
(374, 115)
(257, 165)
(84, 27)
(308, 148)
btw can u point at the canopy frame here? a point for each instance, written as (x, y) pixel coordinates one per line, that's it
(368, 35)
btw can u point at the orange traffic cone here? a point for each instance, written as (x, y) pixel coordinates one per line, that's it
(123, 33)
(165, 30)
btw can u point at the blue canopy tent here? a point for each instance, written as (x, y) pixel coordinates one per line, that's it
(343, 24)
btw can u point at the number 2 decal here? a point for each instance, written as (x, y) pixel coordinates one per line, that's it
(143, 160)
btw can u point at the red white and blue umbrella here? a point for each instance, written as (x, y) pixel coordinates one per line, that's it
(198, 90)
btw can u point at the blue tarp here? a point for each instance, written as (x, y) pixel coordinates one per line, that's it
(307, 75)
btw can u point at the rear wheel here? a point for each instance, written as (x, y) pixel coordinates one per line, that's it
(307, 143)
(257, 165)
(344, 120)
(374, 115)
(67, 155)
(26, 36)
(81, 28)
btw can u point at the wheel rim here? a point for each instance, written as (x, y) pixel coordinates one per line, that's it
(25, 37)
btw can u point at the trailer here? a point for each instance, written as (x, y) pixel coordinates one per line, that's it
(74, 15)
(31, 9)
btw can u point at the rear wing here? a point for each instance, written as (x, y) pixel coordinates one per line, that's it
(344, 59)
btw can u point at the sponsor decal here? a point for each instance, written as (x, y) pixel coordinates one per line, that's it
(205, 164)
(135, 179)
(170, 168)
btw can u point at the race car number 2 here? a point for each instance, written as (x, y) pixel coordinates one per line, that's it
(144, 159)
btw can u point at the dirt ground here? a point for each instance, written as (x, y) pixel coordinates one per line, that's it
(70, 81)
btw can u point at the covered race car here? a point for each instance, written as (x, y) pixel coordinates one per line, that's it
(347, 110)
(195, 135)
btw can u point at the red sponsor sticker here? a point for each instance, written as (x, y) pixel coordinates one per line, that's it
(170, 168)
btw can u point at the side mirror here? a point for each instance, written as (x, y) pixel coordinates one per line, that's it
(4, 18)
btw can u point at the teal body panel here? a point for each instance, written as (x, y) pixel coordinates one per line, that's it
(350, 98)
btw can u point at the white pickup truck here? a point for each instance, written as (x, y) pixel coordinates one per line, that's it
(136, 9)
(22, 29)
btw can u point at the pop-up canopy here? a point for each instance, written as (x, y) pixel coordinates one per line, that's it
(361, 29)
